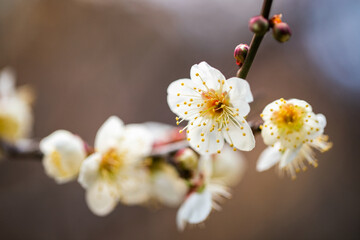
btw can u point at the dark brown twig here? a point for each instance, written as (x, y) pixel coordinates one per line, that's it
(255, 43)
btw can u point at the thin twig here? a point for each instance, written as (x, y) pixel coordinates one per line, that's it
(24, 149)
(255, 43)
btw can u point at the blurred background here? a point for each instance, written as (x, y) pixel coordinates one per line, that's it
(89, 59)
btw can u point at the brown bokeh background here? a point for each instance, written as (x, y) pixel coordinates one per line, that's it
(89, 59)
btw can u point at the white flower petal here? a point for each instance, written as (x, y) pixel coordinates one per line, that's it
(300, 103)
(109, 134)
(241, 107)
(288, 156)
(168, 187)
(89, 171)
(270, 109)
(7, 82)
(268, 158)
(240, 90)
(269, 132)
(160, 132)
(322, 120)
(180, 92)
(136, 143)
(239, 134)
(313, 126)
(102, 197)
(228, 167)
(203, 72)
(202, 140)
(195, 209)
(134, 185)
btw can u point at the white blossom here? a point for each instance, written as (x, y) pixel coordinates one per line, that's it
(63, 155)
(215, 108)
(15, 110)
(167, 186)
(292, 130)
(216, 174)
(114, 172)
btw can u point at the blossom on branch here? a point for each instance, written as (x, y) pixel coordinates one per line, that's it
(15, 108)
(292, 130)
(114, 172)
(215, 108)
(210, 186)
(63, 155)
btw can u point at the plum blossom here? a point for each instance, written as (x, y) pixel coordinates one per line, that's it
(292, 130)
(215, 109)
(113, 172)
(167, 186)
(210, 186)
(63, 155)
(15, 108)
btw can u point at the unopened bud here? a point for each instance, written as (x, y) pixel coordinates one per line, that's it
(281, 32)
(187, 158)
(259, 25)
(240, 53)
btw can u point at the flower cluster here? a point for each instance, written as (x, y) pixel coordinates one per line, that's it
(152, 163)
(123, 167)
(192, 167)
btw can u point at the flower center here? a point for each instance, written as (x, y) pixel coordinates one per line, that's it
(214, 102)
(289, 117)
(9, 127)
(56, 160)
(110, 163)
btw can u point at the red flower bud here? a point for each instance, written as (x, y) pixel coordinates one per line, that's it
(259, 25)
(240, 53)
(281, 32)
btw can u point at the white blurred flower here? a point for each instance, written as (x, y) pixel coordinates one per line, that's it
(216, 173)
(114, 173)
(291, 129)
(228, 167)
(63, 155)
(215, 108)
(15, 110)
(167, 186)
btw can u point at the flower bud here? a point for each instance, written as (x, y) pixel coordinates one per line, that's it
(240, 53)
(64, 153)
(187, 158)
(259, 25)
(281, 32)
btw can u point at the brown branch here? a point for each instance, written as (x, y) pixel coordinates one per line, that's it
(24, 149)
(29, 149)
(255, 43)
